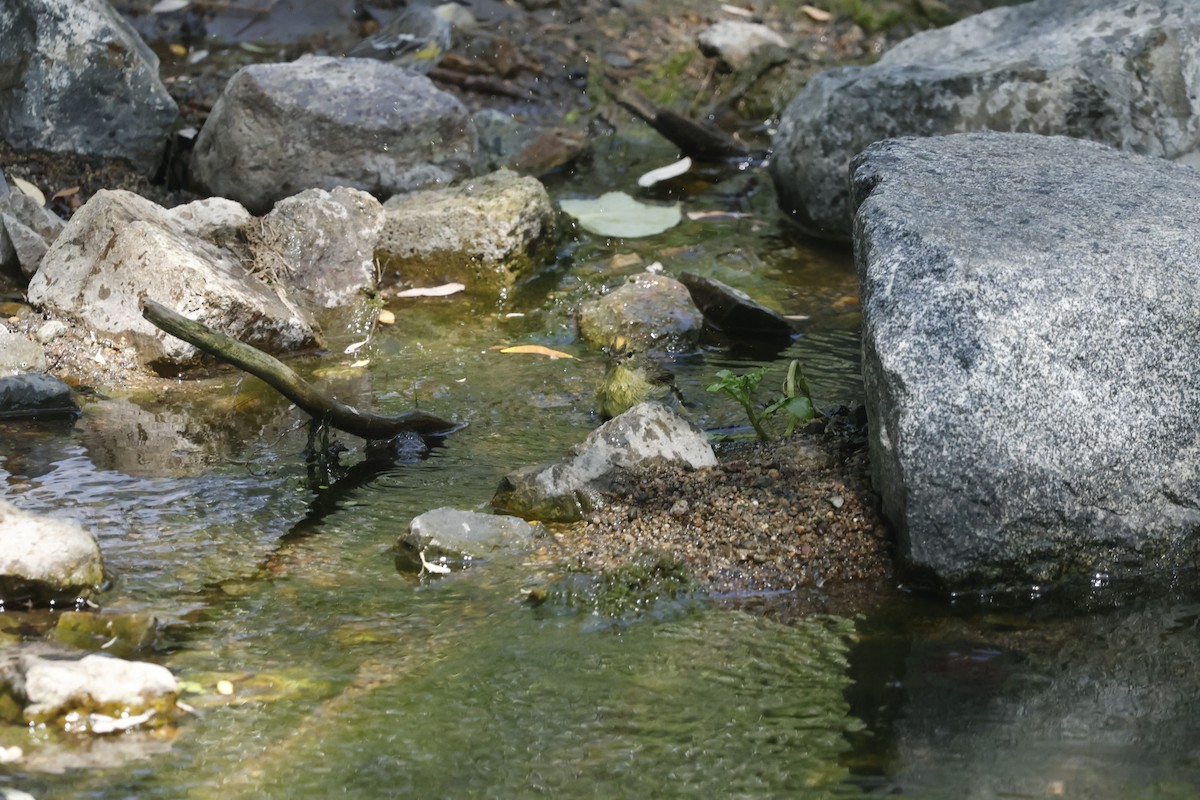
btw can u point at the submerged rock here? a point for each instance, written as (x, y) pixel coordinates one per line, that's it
(321, 122)
(567, 490)
(1031, 355)
(95, 693)
(648, 312)
(450, 535)
(487, 234)
(45, 560)
(1124, 74)
(78, 79)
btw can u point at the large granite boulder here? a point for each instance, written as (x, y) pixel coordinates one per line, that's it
(1031, 355)
(75, 78)
(1123, 73)
(321, 122)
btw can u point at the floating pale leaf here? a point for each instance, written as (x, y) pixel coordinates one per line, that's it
(536, 350)
(618, 214)
(224, 688)
(816, 14)
(665, 173)
(694, 215)
(29, 189)
(102, 723)
(432, 291)
(436, 569)
(386, 317)
(167, 6)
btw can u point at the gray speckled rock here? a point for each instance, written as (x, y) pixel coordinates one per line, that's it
(26, 231)
(735, 41)
(1031, 355)
(76, 78)
(565, 491)
(1122, 72)
(321, 122)
(326, 240)
(45, 559)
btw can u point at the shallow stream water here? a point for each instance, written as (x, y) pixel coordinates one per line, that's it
(352, 677)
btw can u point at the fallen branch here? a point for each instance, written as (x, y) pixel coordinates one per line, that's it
(702, 141)
(285, 381)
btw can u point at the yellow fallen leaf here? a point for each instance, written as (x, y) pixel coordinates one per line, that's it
(224, 688)
(536, 350)
(386, 317)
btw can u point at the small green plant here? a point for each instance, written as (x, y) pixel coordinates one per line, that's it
(796, 399)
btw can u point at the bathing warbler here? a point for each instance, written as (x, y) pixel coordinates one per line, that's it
(633, 377)
(416, 38)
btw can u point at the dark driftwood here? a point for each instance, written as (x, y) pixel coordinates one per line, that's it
(285, 381)
(702, 141)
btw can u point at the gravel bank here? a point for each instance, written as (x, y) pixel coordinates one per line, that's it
(793, 515)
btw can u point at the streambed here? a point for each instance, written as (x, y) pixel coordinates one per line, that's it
(350, 676)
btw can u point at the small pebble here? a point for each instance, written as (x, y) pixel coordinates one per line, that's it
(50, 331)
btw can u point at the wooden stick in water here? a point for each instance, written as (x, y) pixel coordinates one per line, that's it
(285, 381)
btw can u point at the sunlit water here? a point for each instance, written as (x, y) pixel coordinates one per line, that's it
(354, 678)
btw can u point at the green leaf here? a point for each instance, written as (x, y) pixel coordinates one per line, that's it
(617, 214)
(800, 407)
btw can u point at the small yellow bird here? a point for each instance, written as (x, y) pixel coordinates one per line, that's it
(416, 38)
(633, 378)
